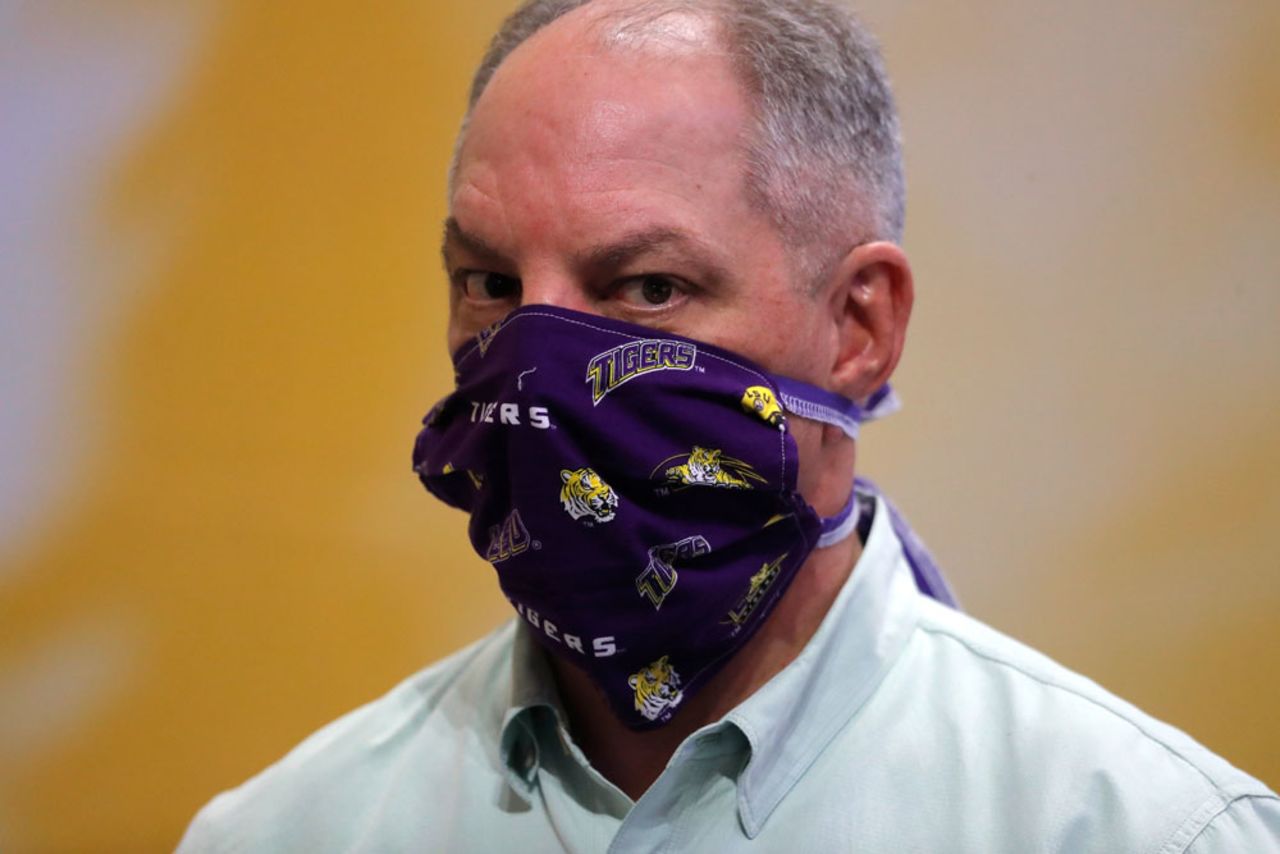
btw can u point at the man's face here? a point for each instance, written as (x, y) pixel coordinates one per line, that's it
(612, 181)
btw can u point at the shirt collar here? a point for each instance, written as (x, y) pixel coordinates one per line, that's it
(792, 718)
(795, 715)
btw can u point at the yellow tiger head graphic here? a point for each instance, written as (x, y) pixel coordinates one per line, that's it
(760, 400)
(657, 689)
(584, 494)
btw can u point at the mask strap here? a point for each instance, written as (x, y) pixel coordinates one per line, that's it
(836, 528)
(808, 401)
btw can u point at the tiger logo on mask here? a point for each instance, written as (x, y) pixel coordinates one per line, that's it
(585, 495)
(657, 689)
(709, 467)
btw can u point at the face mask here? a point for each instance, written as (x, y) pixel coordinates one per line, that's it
(635, 491)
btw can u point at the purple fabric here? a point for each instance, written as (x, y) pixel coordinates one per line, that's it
(634, 490)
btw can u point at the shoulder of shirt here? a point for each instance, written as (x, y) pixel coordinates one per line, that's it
(324, 779)
(1191, 772)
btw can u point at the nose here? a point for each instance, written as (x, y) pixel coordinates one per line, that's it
(557, 289)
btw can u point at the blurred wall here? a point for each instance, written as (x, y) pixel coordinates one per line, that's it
(222, 317)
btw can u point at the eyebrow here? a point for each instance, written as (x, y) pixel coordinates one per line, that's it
(605, 256)
(472, 244)
(627, 249)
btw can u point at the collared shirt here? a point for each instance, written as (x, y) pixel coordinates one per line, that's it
(902, 726)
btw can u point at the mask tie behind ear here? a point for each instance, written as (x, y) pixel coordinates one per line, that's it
(809, 401)
(836, 528)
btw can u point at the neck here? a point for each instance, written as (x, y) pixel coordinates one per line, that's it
(633, 760)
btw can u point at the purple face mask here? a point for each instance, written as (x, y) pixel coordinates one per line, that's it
(635, 491)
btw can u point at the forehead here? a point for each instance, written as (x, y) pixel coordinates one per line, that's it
(627, 66)
(587, 107)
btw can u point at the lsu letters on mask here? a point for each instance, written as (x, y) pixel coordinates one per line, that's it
(635, 491)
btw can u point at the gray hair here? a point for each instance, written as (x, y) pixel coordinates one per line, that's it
(825, 160)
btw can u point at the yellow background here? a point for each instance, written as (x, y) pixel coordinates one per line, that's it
(223, 318)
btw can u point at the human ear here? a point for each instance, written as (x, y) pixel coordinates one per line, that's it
(871, 295)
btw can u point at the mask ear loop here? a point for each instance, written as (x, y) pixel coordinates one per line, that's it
(845, 522)
(828, 407)
(808, 401)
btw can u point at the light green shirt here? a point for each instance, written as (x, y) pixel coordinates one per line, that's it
(903, 726)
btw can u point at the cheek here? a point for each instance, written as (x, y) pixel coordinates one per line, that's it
(454, 335)
(466, 319)
(803, 346)
(747, 327)
(808, 436)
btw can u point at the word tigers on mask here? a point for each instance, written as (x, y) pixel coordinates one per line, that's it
(601, 647)
(509, 413)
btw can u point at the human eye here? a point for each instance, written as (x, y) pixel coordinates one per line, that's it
(484, 286)
(651, 292)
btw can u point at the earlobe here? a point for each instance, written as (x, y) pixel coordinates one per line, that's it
(871, 296)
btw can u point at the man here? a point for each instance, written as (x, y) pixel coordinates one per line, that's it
(673, 249)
